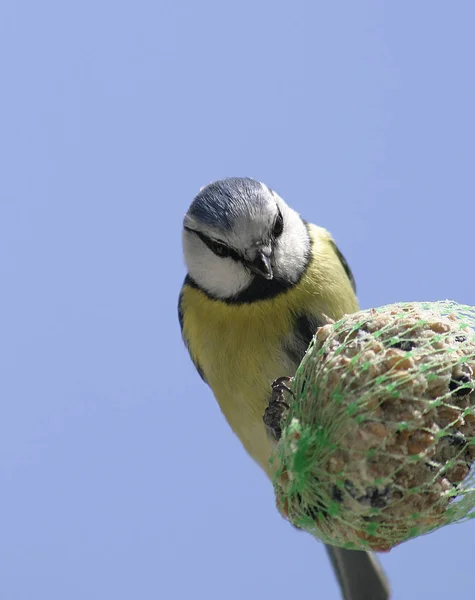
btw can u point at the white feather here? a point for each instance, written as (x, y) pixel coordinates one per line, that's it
(226, 277)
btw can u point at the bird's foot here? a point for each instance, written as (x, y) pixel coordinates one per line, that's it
(279, 386)
(277, 408)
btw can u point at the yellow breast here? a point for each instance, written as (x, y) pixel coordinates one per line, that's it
(240, 347)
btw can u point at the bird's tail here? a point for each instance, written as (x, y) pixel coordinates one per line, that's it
(359, 574)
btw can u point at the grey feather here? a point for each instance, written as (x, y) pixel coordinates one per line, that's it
(359, 574)
(220, 203)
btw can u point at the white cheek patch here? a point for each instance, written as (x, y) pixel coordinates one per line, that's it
(292, 247)
(220, 277)
(226, 277)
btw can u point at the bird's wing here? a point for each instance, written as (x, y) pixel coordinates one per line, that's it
(305, 327)
(185, 339)
(344, 264)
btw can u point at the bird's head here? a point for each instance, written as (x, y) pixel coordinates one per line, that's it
(240, 237)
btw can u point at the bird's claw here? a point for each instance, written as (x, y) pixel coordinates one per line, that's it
(279, 386)
(278, 407)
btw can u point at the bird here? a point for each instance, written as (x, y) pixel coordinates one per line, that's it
(260, 281)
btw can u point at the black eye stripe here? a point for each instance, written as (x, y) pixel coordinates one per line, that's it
(212, 245)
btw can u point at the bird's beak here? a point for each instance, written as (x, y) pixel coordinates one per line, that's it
(261, 264)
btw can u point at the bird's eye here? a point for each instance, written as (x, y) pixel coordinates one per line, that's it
(220, 249)
(278, 225)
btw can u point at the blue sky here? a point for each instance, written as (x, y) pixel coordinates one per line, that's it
(119, 477)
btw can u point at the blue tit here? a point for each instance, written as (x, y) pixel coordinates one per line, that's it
(260, 282)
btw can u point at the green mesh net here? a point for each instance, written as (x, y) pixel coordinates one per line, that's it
(378, 444)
